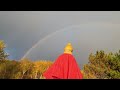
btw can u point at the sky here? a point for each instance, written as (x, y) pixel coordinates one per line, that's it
(47, 33)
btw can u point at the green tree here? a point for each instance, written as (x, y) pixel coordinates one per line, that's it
(103, 66)
(114, 64)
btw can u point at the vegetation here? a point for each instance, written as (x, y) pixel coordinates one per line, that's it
(3, 55)
(100, 66)
(103, 66)
(23, 69)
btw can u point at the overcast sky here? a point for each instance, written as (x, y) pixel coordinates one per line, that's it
(88, 31)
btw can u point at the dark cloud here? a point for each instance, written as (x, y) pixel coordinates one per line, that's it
(22, 29)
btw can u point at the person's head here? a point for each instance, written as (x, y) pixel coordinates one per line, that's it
(68, 48)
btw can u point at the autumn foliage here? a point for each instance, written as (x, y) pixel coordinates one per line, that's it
(23, 69)
(101, 65)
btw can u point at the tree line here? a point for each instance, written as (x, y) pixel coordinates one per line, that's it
(101, 65)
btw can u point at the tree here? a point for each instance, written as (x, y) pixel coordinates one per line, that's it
(38, 68)
(24, 66)
(114, 64)
(102, 66)
(9, 69)
(3, 54)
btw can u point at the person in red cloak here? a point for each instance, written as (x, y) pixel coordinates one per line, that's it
(64, 67)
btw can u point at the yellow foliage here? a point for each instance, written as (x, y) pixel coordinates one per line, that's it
(34, 69)
(2, 45)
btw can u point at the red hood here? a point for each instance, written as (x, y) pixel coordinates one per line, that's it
(64, 67)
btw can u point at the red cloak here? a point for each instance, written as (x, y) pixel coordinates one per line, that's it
(64, 67)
